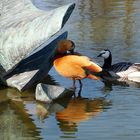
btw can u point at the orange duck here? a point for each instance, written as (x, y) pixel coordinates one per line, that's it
(72, 65)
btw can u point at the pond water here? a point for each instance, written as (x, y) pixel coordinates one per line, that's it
(108, 112)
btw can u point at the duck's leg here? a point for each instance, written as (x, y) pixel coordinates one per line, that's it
(81, 85)
(80, 82)
(73, 86)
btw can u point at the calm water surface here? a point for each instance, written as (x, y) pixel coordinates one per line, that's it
(108, 112)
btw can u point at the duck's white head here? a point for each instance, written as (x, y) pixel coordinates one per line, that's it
(105, 54)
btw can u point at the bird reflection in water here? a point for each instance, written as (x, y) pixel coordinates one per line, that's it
(71, 111)
(108, 85)
(80, 110)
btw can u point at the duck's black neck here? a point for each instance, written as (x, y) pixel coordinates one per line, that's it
(107, 62)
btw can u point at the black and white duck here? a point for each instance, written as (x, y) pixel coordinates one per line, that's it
(121, 70)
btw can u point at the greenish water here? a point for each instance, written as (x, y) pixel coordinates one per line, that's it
(104, 112)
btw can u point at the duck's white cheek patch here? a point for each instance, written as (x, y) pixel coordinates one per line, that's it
(106, 54)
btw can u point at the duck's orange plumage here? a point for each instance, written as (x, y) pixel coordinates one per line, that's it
(74, 66)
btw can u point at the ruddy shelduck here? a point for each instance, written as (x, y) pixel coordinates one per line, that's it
(72, 65)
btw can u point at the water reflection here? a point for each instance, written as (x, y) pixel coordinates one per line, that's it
(98, 22)
(108, 85)
(128, 23)
(108, 24)
(15, 122)
(69, 113)
(81, 110)
(23, 117)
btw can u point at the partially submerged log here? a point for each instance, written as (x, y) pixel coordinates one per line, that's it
(49, 93)
(24, 57)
